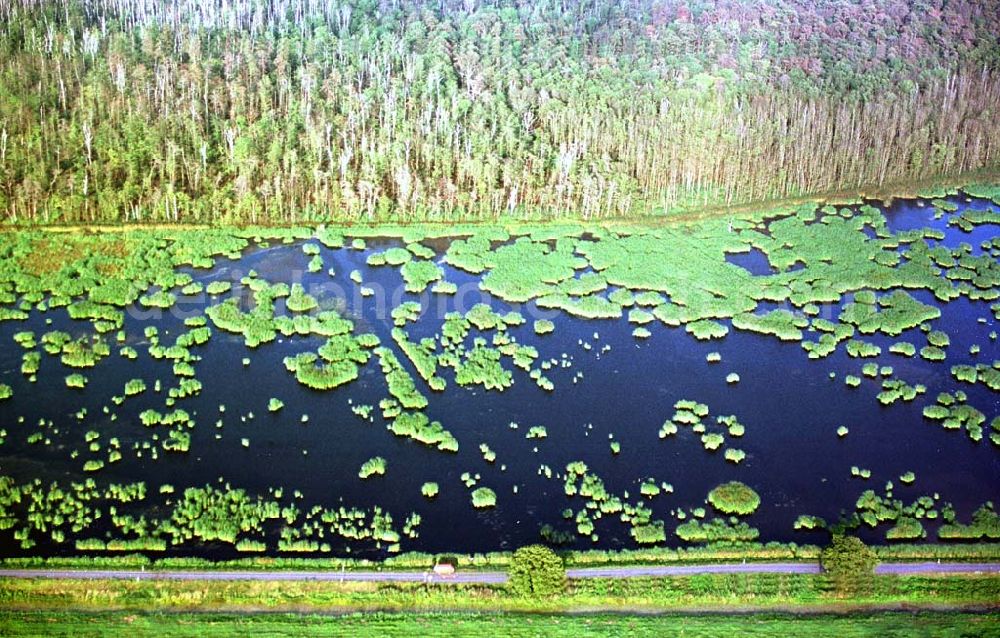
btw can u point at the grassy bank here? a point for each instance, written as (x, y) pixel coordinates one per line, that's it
(167, 626)
(416, 561)
(704, 592)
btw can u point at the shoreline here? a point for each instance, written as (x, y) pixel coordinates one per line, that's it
(905, 189)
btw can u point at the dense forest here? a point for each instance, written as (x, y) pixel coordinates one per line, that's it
(301, 110)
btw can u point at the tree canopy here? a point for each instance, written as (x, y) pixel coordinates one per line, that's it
(535, 570)
(849, 563)
(309, 110)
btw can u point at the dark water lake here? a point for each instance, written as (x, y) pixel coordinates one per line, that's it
(624, 388)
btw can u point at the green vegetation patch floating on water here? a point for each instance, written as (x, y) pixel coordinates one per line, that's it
(201, 514)
(401, 385)
(735, 455)
(536, 432)
(417, 426)
(893, 314)
(419, 274)
(218, 287)
(374, 466)
(780, 323)
(903, 348)
(392, 257)
(430, 490)
(76, 380)
(544, 326)
(336, 362)
(954, 413)
(898, 390)
(734, 498)
(716, 530)
(481, 366)
(988, 375)
(706, 329)
(483, 497)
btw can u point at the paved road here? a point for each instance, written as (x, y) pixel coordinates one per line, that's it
(273, 575)
(937, 568)
(687, 570)
(489, 577)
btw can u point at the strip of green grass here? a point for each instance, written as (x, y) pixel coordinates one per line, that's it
(777, 592)
(452, 625)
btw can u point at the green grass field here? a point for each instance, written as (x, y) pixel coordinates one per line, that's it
(431, 625)
(710, 592)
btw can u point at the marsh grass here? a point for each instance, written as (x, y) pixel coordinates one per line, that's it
(374, 466)
(716, 531)
(735, 455)
(417, 426)
(706, 329)
(896, 389)
(734, 498)
(543, 326)
(76, 380)
(780, 323)
(401, 385)
(429, 490)
(954, 413)
(483, 497)
(536, 432)
(893, 314)
(419, 274)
